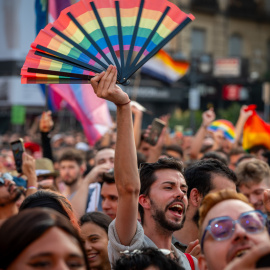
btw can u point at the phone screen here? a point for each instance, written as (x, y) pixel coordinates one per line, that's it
(17, 148)
(157, 126)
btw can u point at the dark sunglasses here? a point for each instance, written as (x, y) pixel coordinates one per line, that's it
(222, 228)
(4, 177)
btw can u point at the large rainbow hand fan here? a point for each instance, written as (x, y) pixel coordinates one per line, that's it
(92, 34)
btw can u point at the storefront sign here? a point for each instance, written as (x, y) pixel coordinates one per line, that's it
(227, 67)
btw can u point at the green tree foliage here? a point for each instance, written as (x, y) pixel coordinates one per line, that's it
(231, 113)
(183, 118)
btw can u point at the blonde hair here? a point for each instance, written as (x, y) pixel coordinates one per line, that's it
(213, 199)
(253, 170)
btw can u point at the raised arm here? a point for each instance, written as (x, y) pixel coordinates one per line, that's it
(137, 125)
(125, 168)
(79, 200)
(28, 168)
(243, 116)
(207, 118)
(45, 126)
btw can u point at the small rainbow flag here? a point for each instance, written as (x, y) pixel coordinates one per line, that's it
(226, 126)
(256, 131)
(164, 68)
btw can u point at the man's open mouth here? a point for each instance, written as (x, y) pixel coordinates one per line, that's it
(177, 209)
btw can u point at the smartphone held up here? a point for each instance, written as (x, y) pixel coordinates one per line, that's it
(156, 129)
(17, 148)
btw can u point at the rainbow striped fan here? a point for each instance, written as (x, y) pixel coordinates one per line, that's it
(90, 35)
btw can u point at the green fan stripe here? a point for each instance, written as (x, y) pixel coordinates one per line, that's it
(128, 30)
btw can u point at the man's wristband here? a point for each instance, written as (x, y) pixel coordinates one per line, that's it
(123, 104)
(31, 187)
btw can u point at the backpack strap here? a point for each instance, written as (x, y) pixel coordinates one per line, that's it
(191, 262)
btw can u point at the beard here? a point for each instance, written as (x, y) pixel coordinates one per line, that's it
(16, 194)
(71, 182)
(160, 218)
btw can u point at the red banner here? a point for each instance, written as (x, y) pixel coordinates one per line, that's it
(231, 92)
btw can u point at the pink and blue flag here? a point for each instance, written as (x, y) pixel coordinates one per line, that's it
(55, 7)
(92, 112)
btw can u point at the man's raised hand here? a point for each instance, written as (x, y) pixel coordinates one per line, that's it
(104, 85)
(208, 117)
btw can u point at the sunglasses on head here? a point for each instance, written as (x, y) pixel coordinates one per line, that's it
(164, 251)
(5, 176)
(222, 228)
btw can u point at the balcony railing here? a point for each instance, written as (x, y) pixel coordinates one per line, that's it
(207, 6)
(248, 9)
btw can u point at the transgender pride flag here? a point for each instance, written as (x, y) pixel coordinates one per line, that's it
(92, 112)
(55, 7)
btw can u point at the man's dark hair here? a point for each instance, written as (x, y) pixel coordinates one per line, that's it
(90, 154)
(199, 175)
(140, 159)
(256, 148)
(108, 177)
(103, 148)
(72, 155)
(142, 135)
(244, 157)
(148, 177)
(98, 218)
(144, 258)
(174, 147)
(214, 155)
(237, 151)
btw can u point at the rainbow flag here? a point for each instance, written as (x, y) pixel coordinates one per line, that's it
(226, 126)
(92, 112)
(256, 131)
(164, 68)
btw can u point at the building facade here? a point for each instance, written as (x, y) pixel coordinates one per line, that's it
(228, 46)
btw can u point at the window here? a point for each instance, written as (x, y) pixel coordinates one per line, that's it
(235, 45)
(198, 40)
(267, 5)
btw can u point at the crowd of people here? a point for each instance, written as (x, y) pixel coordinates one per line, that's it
(188, 202)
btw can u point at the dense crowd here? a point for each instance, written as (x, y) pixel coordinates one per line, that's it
(187, 202)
